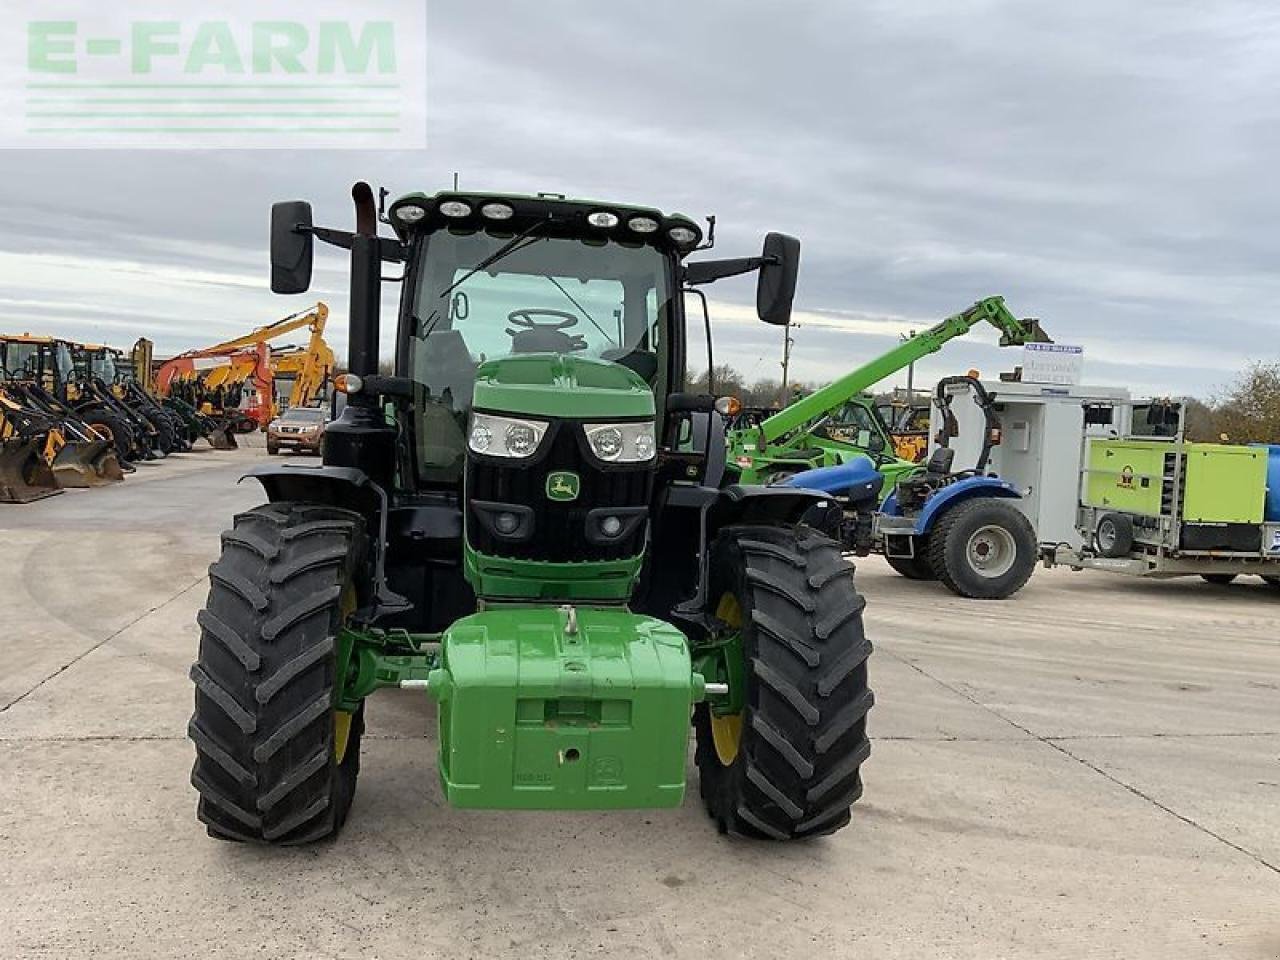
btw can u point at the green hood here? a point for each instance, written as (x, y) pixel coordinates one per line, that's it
(560, 385)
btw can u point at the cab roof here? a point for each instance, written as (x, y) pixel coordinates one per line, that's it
(568, 215)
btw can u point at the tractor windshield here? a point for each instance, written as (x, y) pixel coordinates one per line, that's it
(103, 366)
(123, 369)
(598, 299)
(62, 360)
(855, 423)
(21, 360)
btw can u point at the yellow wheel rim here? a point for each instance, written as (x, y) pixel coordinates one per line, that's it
(342, 718)
(341, 733)
(726, 730)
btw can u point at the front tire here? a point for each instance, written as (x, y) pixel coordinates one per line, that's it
(914, 568)
(984, 549)
(108, 426)
(1218, 579)
(788, 766)
(166, 441)
(276, 762)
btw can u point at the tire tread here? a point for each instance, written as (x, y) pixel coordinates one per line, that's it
(804, 725)
(264, 677)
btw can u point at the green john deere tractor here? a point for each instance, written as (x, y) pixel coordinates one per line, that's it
(530, 522)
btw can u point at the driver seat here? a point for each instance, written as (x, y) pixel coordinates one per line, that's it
(545, 340)
(940, 461)
(914, 491)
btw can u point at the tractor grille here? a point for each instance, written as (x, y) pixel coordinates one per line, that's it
(559, 531)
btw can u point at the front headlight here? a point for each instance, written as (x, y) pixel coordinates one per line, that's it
(505, 436)
(622, 442)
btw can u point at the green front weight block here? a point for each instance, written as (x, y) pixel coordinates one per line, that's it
(563, 708)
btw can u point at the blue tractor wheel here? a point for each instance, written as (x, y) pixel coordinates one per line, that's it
(983, 548)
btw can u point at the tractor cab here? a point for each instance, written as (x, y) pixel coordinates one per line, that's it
(39, 360)
(540, 348)
(858, 424)
(95, 362)
(597, 305)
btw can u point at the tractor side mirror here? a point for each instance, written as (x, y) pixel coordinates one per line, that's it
(292, 246)
(776, 286)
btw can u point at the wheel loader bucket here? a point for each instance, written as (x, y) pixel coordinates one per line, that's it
(87, 464)
(222, 437)
(24, 475)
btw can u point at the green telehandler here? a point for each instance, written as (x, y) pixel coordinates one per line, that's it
(530, 522)
(839, 422)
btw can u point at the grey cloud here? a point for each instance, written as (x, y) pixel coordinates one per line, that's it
(1106, 166)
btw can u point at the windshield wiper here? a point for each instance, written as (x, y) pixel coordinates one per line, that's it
(507, 248)
(590, 318)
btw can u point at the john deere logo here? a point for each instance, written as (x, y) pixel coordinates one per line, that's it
(563, 485)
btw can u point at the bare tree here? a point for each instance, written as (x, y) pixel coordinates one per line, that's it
(1248, 410)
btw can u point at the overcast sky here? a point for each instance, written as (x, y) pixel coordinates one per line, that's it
(1108, 167)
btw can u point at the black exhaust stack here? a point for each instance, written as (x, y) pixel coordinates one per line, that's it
(366, 287)
(361, 438)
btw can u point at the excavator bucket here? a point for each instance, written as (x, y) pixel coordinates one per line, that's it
(90, 463)
(222, 436)
(24, 475)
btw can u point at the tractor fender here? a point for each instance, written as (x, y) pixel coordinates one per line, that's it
(346, 487)
(781, 504)
(714, 509)
(967, 489)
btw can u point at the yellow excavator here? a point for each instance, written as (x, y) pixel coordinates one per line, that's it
(227, 369)
(308, 370)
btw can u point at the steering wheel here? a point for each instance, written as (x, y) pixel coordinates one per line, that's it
(529, 336)
(524, 319)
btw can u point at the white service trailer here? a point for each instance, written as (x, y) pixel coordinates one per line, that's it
(1040, 449)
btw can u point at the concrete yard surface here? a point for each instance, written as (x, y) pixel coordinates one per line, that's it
(1091, 769)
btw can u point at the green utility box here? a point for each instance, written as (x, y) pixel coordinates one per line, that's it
(1224, 484)
(563, 708)
(1129, 476)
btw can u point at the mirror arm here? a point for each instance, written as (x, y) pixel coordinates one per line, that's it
(335, 238)
(389, 250)
(709, 271)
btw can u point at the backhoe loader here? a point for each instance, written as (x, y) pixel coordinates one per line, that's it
(46, 446)
(906, 413)
(192, 424)
(116, 372)
(85, 386)
(25, 474)
(47, 365)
